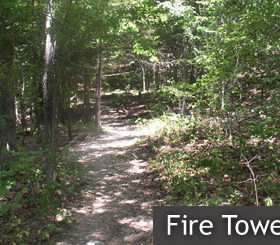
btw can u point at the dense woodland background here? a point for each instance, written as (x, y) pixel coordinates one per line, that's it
(207, 72)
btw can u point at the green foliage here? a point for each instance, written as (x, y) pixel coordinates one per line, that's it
(268, 202)
(2, 121)
(23, 186)
(196, 163)
(216, 63)
(172, 97)
(19, 173)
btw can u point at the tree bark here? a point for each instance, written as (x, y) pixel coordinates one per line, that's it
(49, 97)
(22, 105)
(144, 78)
(223, 92)
(7, 102)
(23, 111)
(154, 76)
(31, 118)
(47, 77)
(61, 76)
(69, 120)
(38, 106)
(98, 91)
(86, 97)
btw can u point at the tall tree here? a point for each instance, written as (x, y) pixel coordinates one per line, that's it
(98, 90)
(7, 100)
(49, 93)
(7, 96)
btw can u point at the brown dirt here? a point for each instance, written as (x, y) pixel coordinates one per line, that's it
(117, 206)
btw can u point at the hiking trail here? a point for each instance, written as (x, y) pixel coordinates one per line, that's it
(116, 209)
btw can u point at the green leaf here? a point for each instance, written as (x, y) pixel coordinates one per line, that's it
(268, 202)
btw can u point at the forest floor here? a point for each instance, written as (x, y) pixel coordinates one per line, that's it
(116, 206)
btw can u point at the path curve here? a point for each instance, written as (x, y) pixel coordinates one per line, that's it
(117, 207)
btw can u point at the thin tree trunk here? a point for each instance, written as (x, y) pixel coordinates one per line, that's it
(223, 96)
(154, 76)
(61, 107)
(98, 91)
(144, 78)
(39, 115)
(192, 74)
(17, 111)
(31, 118)
(86, 97)
(23, 107)
(69, 120)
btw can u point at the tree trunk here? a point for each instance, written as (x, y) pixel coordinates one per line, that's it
(39, 103)
(69, 120)
(47, 77)
(31, 118)
(49, 98)
(223, 93)
(23, 107)
(192, 74)
(144, 78)
(98, 91)
(154, 76)
(61, 76)
(7, 102)
(86, 98)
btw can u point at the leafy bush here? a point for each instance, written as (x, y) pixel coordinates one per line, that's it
(173, 98)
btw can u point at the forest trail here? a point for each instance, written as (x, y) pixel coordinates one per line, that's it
(117, 206)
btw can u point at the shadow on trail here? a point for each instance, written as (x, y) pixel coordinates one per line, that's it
(116, 207)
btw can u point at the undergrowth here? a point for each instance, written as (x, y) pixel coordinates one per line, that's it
(30, 209)
(195, 160)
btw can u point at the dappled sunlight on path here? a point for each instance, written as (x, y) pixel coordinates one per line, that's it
(117, 206)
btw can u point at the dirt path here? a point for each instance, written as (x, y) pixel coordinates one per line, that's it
(117, 208)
